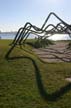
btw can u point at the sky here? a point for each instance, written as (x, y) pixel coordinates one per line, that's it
(15, 13)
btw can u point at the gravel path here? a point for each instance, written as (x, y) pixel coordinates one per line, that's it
(55, 53)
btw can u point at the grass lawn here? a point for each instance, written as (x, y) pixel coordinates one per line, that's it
(27, 82)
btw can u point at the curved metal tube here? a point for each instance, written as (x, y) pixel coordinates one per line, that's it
(28, 28)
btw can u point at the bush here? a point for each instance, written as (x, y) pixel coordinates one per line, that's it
(40, 43)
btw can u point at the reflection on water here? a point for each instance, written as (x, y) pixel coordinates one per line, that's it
(54, 37)
(60, 37)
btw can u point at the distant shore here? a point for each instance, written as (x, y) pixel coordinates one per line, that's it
(8, 32)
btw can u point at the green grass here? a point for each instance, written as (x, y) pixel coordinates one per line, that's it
(26, 82)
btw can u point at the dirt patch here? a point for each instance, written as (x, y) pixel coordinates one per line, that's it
(55, 53)
(68, 79)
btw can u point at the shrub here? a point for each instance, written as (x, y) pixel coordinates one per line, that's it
(40, 43)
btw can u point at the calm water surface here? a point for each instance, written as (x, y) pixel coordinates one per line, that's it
(54, 37)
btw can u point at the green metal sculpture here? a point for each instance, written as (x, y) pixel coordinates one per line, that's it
(44, 32)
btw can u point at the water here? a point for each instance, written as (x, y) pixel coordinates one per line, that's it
(54, 37)
(7, 35)
(12, 36)
(60, 37)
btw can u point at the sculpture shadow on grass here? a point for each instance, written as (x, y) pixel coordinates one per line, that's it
(56, 54)
(55, 96)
